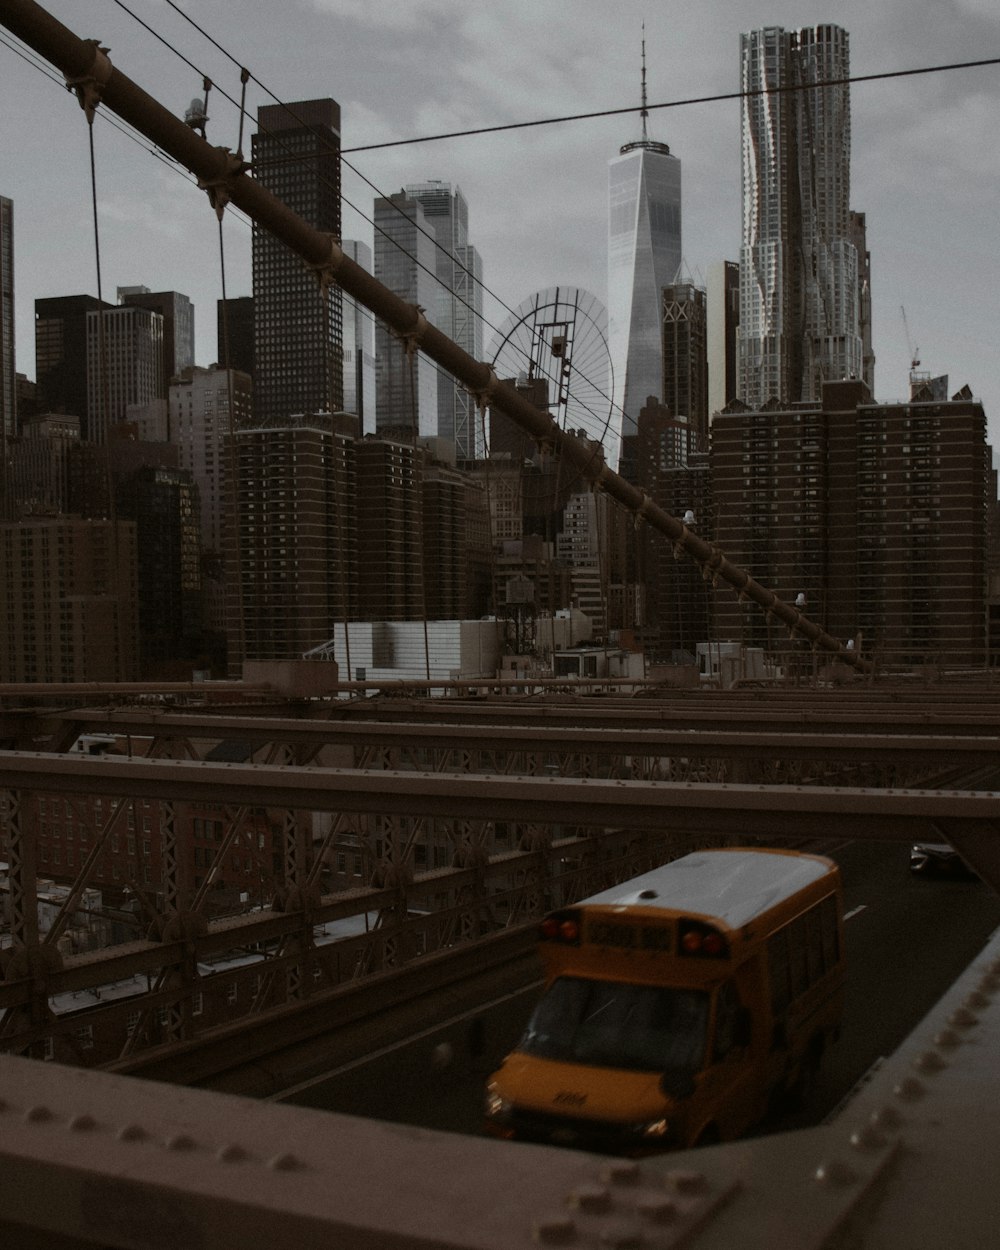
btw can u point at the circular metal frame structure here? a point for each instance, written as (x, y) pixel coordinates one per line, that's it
(560, 336)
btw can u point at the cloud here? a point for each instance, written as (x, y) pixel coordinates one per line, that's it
(406, 15)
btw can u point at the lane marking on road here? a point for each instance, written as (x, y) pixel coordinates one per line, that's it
(856, 911)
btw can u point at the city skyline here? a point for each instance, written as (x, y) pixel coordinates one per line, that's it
(537, 195)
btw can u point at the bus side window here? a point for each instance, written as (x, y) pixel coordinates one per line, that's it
(831, 933)
(729, 1022)
(814, 943)
(798, 951)
(777, 960)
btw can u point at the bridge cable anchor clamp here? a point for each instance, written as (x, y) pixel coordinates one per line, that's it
(89, 88)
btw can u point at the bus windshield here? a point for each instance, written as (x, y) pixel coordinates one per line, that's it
(609, 1024)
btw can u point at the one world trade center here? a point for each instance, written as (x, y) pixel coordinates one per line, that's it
(644, 256)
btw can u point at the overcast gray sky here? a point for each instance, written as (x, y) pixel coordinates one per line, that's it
(925, 166)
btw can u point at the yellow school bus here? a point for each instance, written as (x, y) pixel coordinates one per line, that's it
(678, 1006)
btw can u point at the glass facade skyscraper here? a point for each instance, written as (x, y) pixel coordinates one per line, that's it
(458, 308)
(177, 312)
(799, 283)
(297, 342)
(406, 384)
(644, 256)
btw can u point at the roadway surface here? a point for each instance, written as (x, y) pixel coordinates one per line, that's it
(908, 939)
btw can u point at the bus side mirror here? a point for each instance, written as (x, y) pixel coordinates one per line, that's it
(742, 1027)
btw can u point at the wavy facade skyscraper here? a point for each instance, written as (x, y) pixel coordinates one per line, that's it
(800, 290)
(644, 256)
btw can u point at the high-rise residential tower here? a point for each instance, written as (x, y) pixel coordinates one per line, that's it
(458, 307)
(297, 335)
(8, 377)
(644, 256)
(799, 283)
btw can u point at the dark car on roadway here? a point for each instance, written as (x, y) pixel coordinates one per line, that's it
(937, 858)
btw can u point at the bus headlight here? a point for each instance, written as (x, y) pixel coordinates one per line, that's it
(655, 1129)
(497, 1107)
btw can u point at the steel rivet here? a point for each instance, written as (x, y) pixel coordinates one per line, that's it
(929, 1061)
(867, 1138)
(962, 1018)
(557, 1230)
(181, 1141)
(834, 1172)
(910, 1088)
(621, 1172)
(977, 1001)
(685, 1182)
(591, 1198)
(885, 1117)
(38, 1115)
(621, 1237)
(660, 1210)
(286, 1163)
(132, 1132)
(947, 1038)
(988, 984)
(233, 1154)
(83, 1123)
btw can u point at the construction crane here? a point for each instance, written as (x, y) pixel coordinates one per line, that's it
(917, 378)
(910, 347)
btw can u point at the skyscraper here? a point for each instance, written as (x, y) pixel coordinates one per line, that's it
(876, 513)
(405, 262)
(298, 341)
(61, 355)
(458, 307)
(644, 256)
(723, 314)
(234, 333)
(177, 312)
(799, 286)
(8, 377)
(359, 347)
(124, 365)
(288, 545)
(685, 358)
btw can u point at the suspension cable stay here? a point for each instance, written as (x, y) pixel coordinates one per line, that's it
(215, 166)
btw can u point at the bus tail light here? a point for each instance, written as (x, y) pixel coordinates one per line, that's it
(561, 926)
(702, 940)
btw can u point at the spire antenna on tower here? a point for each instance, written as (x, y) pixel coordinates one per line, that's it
(645, 110)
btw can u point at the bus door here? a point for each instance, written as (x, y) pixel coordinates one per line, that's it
(729, 1093)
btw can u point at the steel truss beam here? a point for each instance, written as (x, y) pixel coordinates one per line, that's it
(486, 887)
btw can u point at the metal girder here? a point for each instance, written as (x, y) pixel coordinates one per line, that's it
(873, 744)
(784, 811)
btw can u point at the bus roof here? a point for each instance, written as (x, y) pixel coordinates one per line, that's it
(734, 886)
